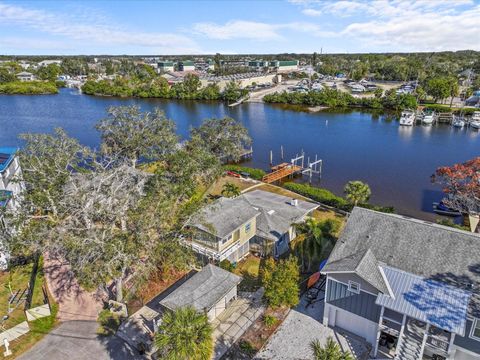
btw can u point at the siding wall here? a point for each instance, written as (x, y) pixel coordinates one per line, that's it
(466, 342)
(362, 304)
(344, 278)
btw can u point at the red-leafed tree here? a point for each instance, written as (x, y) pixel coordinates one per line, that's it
(461, 185)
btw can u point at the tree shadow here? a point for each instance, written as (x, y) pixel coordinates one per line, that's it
(442, 305)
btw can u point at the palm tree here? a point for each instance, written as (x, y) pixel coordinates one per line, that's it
(230, 190)
(357, 192)
(331, 351)
(315, 237)
(184, 334)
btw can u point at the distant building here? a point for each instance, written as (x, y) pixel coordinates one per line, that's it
(284, 65)
(165, 66)
(186, 66)
(211, 64)
(258, 65)
(25, 76)
(49, 62)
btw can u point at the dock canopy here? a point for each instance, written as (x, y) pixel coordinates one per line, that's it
(427, 300)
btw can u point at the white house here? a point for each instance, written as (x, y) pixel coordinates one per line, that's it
(25, 76)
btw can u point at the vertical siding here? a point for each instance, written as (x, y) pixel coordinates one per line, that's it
(362, 304)
(466, 342)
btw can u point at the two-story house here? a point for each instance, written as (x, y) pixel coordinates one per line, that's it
(260, 221)
(10, 188)
(409, 287)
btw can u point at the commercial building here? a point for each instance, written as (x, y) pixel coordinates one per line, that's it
(284, 65)
(165, 66)
(186, 66)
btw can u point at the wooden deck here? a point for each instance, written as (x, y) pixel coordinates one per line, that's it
(280, 173)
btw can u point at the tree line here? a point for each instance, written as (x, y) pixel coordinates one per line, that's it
(158, 87)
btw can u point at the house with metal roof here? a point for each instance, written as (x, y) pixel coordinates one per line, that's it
(258, 221)
(209, 291)
(411, 288)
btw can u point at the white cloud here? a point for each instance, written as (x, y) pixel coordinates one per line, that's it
(312, 12)
(421, 30)
(259, 31)
(93, 29)
(238, 29)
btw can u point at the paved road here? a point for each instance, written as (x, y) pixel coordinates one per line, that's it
(76, 340)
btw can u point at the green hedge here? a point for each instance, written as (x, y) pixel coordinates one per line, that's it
(256, 174)
(318, 194)
(446, 109)
(326, 197)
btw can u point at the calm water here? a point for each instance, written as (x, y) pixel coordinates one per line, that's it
(395, 161)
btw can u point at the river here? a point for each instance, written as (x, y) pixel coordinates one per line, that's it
(395, 161)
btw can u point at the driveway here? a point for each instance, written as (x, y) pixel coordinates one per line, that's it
(235, 320)
(292, 339)
(76, 337)
(77, 340)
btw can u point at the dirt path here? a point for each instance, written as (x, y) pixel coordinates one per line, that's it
(74, 302)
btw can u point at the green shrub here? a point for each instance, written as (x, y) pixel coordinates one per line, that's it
(109, 323)
(270, 321)
(256, 174)
(318, 194)
(28, 88)
(226, 265)
(247, 348)
(281, 282)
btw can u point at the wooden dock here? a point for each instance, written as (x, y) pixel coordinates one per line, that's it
(281, 171)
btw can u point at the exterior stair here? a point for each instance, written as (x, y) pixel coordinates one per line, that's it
(411, 341)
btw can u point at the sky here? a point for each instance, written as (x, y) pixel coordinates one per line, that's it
(236, 27)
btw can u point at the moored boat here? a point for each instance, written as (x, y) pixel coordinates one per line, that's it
(428, 118)
(407, 118)
(442, 209)
(475, 122)
(458, 122)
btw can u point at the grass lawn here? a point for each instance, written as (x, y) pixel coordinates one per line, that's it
(216, 189)
(322, 214)
(17, 279)
(249, 268)
(281, 191)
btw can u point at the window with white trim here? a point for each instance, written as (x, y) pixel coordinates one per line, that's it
(353, 287)
(475, 331)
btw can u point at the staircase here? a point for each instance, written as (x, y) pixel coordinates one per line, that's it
(411, 341)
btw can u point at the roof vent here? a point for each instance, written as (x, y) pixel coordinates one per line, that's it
(270, 212)
(294, 202)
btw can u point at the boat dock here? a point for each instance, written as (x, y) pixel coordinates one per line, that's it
(295, 166)
(281, 171)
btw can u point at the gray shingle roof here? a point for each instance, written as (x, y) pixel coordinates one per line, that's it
(224, 216)
(203, 290)
(429, 250)
(276, 212)
(364, 264)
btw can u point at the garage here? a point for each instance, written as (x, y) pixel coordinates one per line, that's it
(209, 290)
(353, 323)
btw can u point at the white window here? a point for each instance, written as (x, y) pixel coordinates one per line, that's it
(475, 332)
(248, 227)
(353, 287)
(224, 240)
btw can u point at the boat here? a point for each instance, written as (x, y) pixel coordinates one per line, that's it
(407, 118)
(442, 209)
(475, 122)
(458, 122)
(428, 118)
